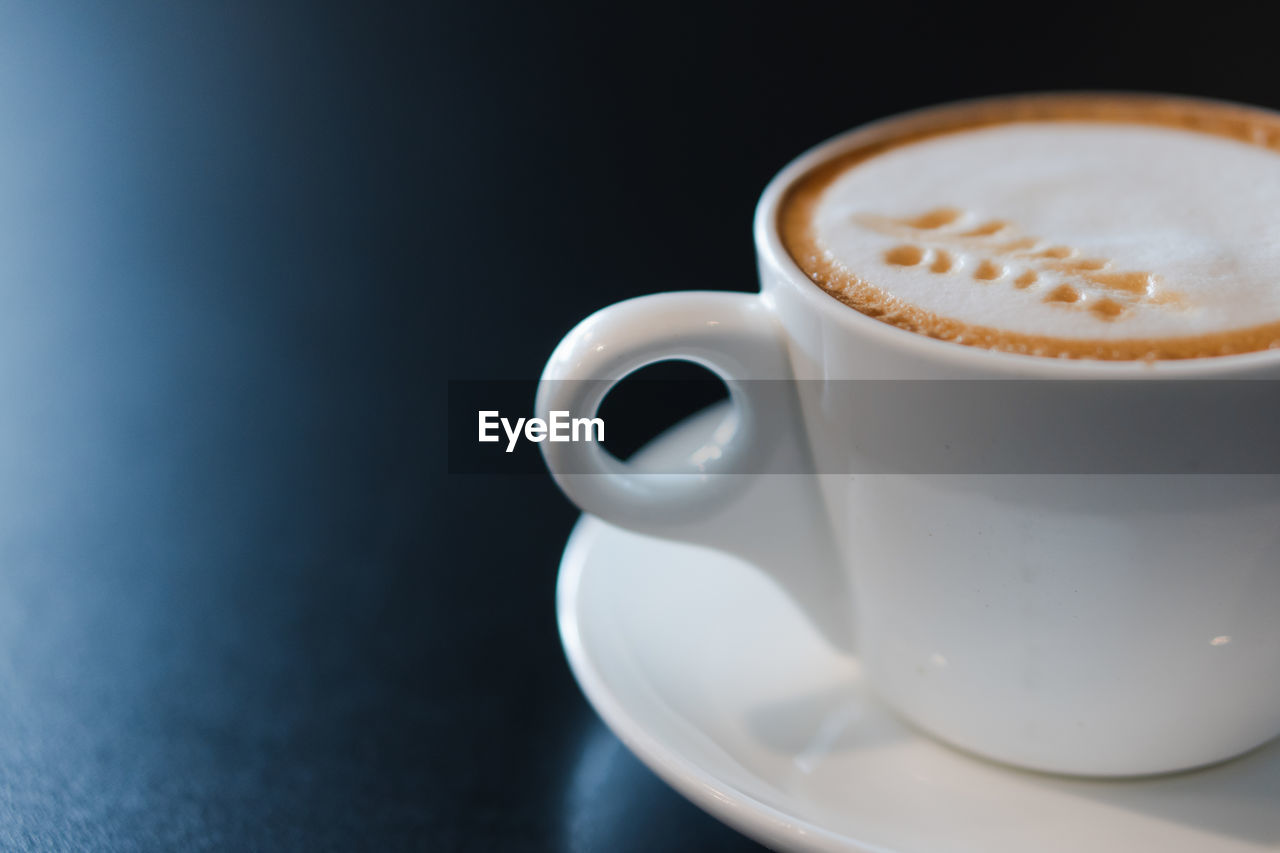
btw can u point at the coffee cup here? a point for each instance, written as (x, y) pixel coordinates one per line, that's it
(1032, 609)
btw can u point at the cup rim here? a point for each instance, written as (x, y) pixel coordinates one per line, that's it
(772, 252)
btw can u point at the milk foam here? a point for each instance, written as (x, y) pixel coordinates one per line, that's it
(1081, 230)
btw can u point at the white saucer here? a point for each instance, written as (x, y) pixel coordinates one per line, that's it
(715, 680)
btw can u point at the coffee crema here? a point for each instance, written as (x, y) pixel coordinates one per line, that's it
(1115, 227)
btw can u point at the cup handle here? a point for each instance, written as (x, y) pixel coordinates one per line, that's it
(757, 462)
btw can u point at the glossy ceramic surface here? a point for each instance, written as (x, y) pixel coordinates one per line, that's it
(1106, 623)
(718, 682)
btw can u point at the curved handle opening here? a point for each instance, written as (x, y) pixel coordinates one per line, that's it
(648, 401)
(726, 492)
(730, 335)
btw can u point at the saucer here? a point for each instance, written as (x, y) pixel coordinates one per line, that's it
(716, 681)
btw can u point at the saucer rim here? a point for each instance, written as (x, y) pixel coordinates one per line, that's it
(780, 826)
(726, 803)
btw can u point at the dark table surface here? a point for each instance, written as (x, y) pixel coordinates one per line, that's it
(243, 603)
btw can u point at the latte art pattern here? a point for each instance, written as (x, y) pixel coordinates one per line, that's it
(1080, 226)
(946, 241)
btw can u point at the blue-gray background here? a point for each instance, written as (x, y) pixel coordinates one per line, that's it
(243, 247)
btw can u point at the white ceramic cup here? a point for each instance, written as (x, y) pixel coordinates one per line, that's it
(1090, 624)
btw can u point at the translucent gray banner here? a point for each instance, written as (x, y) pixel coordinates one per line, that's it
(922, 426)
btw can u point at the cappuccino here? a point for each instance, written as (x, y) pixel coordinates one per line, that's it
(1086, 226)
